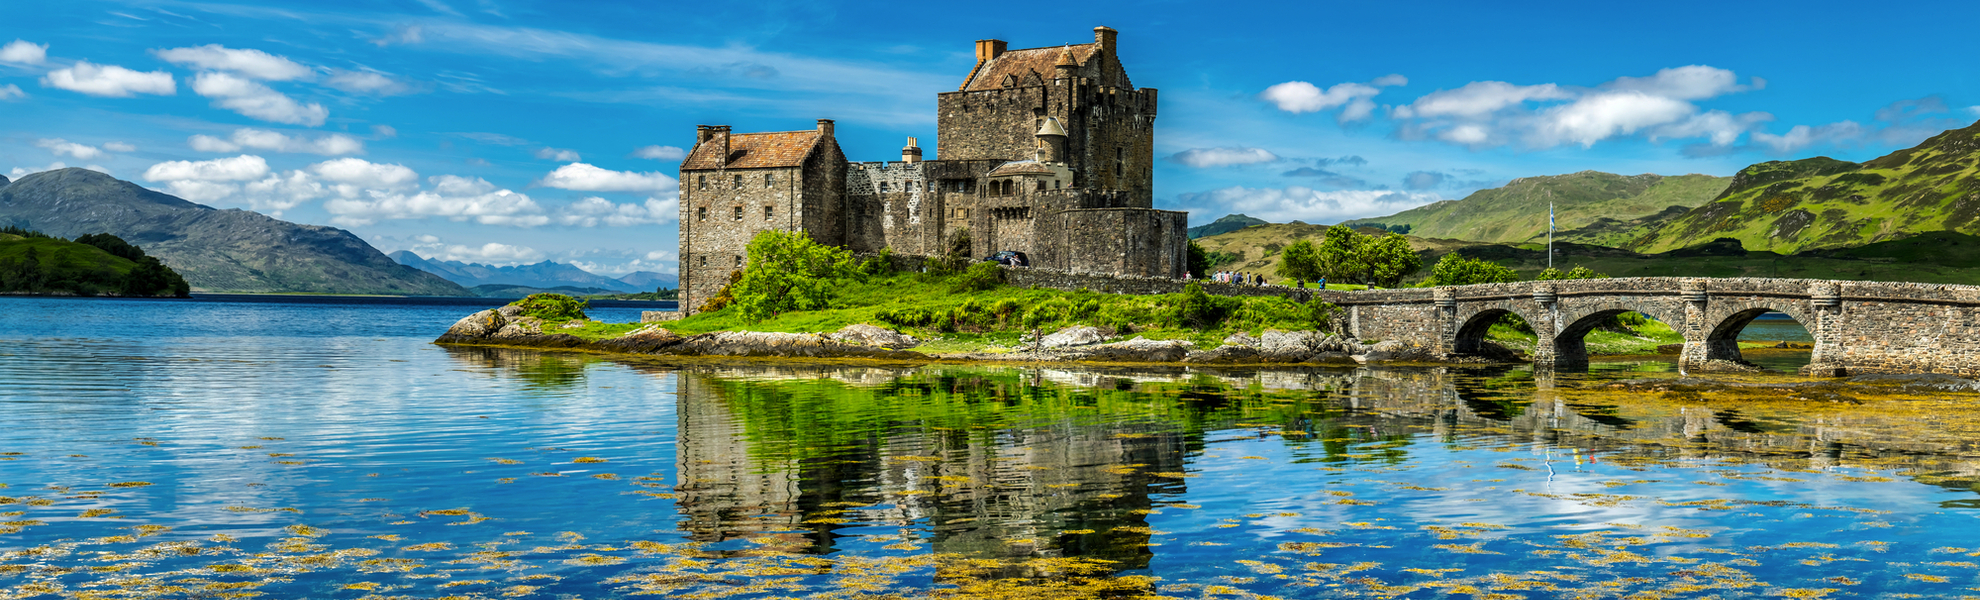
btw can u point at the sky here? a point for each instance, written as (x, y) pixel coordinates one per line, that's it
(510, 131)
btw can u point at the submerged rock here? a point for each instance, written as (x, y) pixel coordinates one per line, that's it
(868, 335)
(1227, 354)
(1395, 351)
(1138, 350)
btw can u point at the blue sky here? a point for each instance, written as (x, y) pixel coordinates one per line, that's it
(506, 131)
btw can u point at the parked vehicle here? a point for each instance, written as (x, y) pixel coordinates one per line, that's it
(1011, 258)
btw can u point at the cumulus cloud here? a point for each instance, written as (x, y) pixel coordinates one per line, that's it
(660, 153)
(1357, 98)
(110, 81)
(21, 52)
(557, 154)
(432, 247)
(586, 178)
(245, 62)
(62, 147)
(239, 168)
(260, 139)
(452, 197)
(1281, 205)
(1222, 157)
(254, 100)
(1661, 106)
(367, 82)
(11, 92)
(594, 211)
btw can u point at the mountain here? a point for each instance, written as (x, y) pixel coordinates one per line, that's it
(1227, 224)
(216, 250)
(1822, 203)
(546, 274)
(497, 290)
(648, 280)
(1517, 212)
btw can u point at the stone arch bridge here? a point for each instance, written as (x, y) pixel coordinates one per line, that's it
(1858, 326)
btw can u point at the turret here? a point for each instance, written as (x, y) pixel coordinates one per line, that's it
(1051, 141)
(1067, 66)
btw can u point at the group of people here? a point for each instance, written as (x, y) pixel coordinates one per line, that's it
(1238, 278)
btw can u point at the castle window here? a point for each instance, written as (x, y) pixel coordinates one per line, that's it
(739, 262)
(883, 187)
(704, 182)
(738, 182)
(704, 260)
(1057, 184)
(1041, 185)
(769, 212)
(769, 179)
(738, 212)
(701, 213)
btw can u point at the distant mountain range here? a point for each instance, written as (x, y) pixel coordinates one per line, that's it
(215, 250)
(1517, 212)
(543, 275)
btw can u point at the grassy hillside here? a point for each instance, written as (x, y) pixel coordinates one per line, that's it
(1225, 224)
(1822, 203)
(1517, 212)
(44, 265)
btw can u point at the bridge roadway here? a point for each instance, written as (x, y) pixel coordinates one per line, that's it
(1858, 326)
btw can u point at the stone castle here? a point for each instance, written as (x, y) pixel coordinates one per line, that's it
(1047, 151)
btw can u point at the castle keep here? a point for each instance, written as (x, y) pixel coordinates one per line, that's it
(1047, 151)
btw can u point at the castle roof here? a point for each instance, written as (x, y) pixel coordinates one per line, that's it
(1022, 63)
(755, 151)
(1021, 167)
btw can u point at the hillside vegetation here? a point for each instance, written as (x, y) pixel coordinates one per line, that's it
(1820, 203)
(1517, 212)
(93, 265)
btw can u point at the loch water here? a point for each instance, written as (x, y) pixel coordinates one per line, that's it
(210, 449)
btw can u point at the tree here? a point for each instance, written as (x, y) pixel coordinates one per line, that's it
(1351, 257)
(1198, 262)
(787, 272)
(1390, 260)
(1300, 262)
(1458, 270)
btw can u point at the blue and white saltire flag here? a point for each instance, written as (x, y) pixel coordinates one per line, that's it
(1550, 216)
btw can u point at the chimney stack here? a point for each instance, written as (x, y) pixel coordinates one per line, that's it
(1104, 38)
(912, 153)
(719, 136)
(701, 134)
(825, 128)
(989, 49)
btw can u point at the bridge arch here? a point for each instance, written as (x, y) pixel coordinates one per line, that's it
(1474, 322)
(1570, 343)
(1725, 320)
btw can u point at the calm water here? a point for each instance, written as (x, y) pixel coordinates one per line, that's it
(206, 449)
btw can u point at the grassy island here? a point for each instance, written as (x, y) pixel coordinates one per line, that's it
(92, 265)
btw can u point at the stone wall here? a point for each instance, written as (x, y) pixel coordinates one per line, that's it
(718, 218)
(1123, 241)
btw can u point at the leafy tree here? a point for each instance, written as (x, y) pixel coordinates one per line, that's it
(23, 273)
(1458, 270)
(787, 272)
(114, 245)
(1349, 256)
(1390, 261)
(1198, 262)
(1301, 263)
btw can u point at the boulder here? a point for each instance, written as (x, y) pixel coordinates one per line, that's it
(645, 340)
(1241, 339)
(868, 335)
(1332, 359)
(478, 325)
(1139, 350)
(1394, 351)
(1302, 346)
(787, 345)
(1227, 354)
(1077, 335)
(519, 328)
(510, 311)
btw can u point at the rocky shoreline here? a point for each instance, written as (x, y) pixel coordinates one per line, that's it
(506, 326)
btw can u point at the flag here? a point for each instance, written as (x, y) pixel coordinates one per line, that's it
(1550, 216)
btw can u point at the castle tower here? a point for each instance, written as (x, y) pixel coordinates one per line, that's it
(1051, 141)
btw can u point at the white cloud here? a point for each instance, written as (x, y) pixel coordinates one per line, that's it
(250, 63)
(109, 81)
(453, 197)
(1803, 136)
(11, 92)
(405, 35)
(119, 147)
(1973, 109)
(19, 172)
(586, 178)
(1302, 97)
(660, 153)
(257, 101)
(21, 52)
(330, 145)
(1302, 203)
(362, 174)
(280, 192)
(1661, 106)
(383, 132)
(557, 154)
(593, 211)
(62, 147)
(1222, 157)
(367, 82)
(239, 168)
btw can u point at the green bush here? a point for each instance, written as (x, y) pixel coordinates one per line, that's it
(553, 307)
(1200, 310)
(980, 277)
(1458, 270)
(788, 272)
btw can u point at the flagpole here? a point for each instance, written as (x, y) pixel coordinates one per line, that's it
(1550, 235)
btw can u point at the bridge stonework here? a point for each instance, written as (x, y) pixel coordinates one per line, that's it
(1858, 326)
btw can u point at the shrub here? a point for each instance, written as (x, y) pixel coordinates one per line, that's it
(980, 277)
(552, 307)
(1458, 270)
(788, 272)
(1201, 310)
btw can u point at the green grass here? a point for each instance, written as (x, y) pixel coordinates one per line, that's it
(70, 266)
(990, 320)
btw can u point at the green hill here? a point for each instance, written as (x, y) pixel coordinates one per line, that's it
(1227, 224)
(1821, 203)
(31, 263)
(1517, 212)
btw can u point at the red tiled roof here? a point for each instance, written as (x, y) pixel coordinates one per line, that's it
(1022, 63)
(755, 151)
